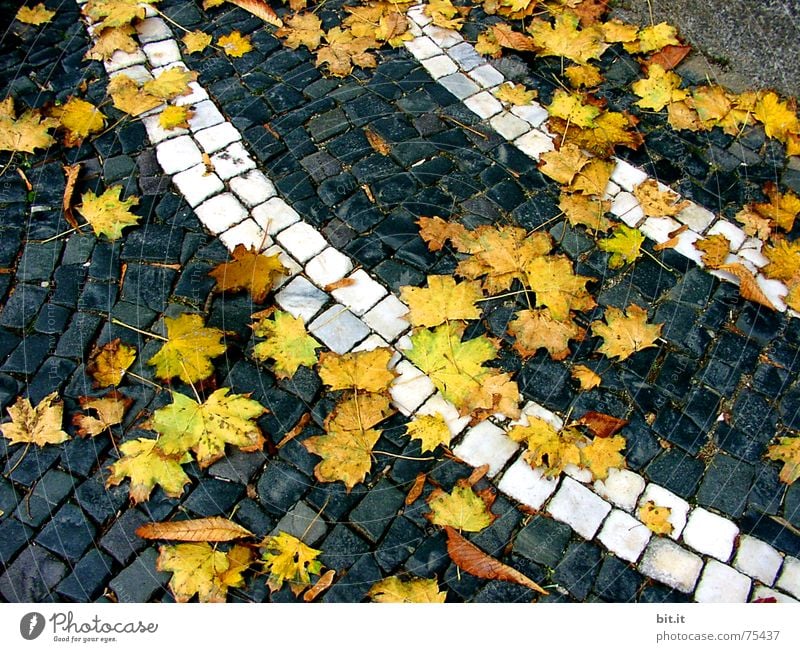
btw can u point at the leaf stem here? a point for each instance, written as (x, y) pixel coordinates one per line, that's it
(168, 19)
(117, 322)
(404, 457)
(60, 235)
(144, 380)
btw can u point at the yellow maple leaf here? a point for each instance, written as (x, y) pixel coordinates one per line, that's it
(502, 35)
(129, 98)
(393, 28)
(109, 363)
(249, 270)
(656, 202)
(625, 333)
(487, 45)
(536, 329)
(79, 119)
(37, 15)
(199, 569)
(444, 14)
(115, 13)
(443, 300)
(419, 590)
(287, 343)
(205, 428)
(462, 509)
(781, 209)
(784, 259)
(754, 224)
(234, 44)
(188, 350)
(625, 246)
(343, 51)
(570, 107)
(611, 130)
(563, 164)
(779, 118)
(111, 40)
(584, 76)
(175, 117)
(496, 394)
(557, 287)
(715, 248)
(40, 425)
(602, 454)
(436, 232)
(615, 31)
(430, 429)
(26, 133)
(787, 450)
(170, 83)
(565, 38)
(593, 178)
(712, 104)
(681, 116)
(110, 411)
(659, 88)
(656, 517)
(579, 209)
(301, 29)
(587, 379)
(548, 447)
(146, 464)
(288, 559)
(654, 37)
(514, 9)
(515, 94)
(363, 370)
(106, 213)
(196, 41)
(364, 20)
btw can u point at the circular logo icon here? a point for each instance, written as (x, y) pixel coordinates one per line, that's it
(31, 625)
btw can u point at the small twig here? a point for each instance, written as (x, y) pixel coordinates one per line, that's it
(404, 457)
(467, 127)
(144, 380)
(117, 322)
(169, 20)
(19, 461)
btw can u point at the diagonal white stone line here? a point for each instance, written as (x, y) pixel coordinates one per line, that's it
(457, 66)
(239, 204)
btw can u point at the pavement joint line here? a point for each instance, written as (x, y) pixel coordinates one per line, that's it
(434, 43)
(594, 511)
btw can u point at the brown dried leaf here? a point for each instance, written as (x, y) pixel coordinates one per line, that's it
(377, 142)
(260, 9)
(602, 425)
(71, 172)
(322, 584)
(748, 285)
(416, 489)
(214, 528)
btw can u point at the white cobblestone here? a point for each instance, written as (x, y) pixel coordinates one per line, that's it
(275, 215)
(627, 176)
(206, 114)
(160, 53)
(621, 487)
(534, 144)
(679, 508)
(612, 189)
(423, 48)
(302, 241)
(578, 507)
(197, 94)
(508, 125)
(301, 298)
(734, 234)
(137, 73)
(483, 104)
(624, 535)
(411, 388)
(439, 66)
(757, 559)
(156, 133)
(696, 217)
(444, 38)
(465, 56)
(667, 562)
(527, 485)
(534, 410)
(178, 154)
(153, 29)
(197, 185)
(120, 60)
(775, 291)
(789, 579)
(417, 14)
(459, 85)
(387, 318)
(765, 593)
(752, 252)
(291, 266)
(534, 114)
(659, 228)
(232, 161)
(487, 76)
(221, 212)
(685, 246)
(722, 584)
(627, 208)
(710, 534)
(362, 294)
(338, 329)
(437, 404)
(252, 187)
(486, 444)
(328, 267)
(246, 233)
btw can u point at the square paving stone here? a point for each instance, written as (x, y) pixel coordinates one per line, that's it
(578, 568)
(97, 501)
(32, 576)
(304, 523)
(658, 593)
(68, 534)
(495, 537)
(121, 540)
(617, 582)
(253, 517)
(29, 354)
(676, 471)
(342, 548)
(430, 558)
(26, 468)
(139, 581)
(678, 429)
(87, 579)
(333, 499)
(375, 512)
(213, 497)
(281, 486)
(725, 485)
(353, 587)
(13, 536)
(399, 543)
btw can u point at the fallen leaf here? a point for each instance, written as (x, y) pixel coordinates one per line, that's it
(624, 245)
(111, 40)
(615, 31)
(430, 429)
(462, 509)
(301, 29)
(129, 98)
(515, 94)
(547, 447)
(587, 379)
(781, 209)
(557, 287)
(26, 133)
(40, 425)
(343, 51)
(393, 589)
(566, 39)
(656, 518)
(778, 117)
(536, 329)
(38, 15)
(260, 9)
(416, 489)
(444, 14)
(602, 454)
(654, 37)
(716, 249)
(321, 585)
(110, 411)
(197, 568)
(659, 88)
(377, 142)
(712, 104)
(748, 284)
(442, 301)
(175, 117)
(146, 464)
(170, 83)
(784, 259)
(108, 363)
(114, 13)
(234, 44)
(656, 202)
(213, 528)
(249, 270)
(571, 107)
(207, 427)
(71, 173)
(474, 561)
(363, 370)
(562, 165)
(611, 130)
(668, 57)
(288, 559)
(287, 343)
(196, 41)
(107, 214)
(188, 350)
(625, 333)
(602, 425)
(393, 28)
(436, 232)
(584, 76)
(586, 211)
(593, 178)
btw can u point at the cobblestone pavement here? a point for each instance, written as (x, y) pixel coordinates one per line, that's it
(310, 185)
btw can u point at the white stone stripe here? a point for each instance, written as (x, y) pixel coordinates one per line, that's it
(585, 508)
(437, 45)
